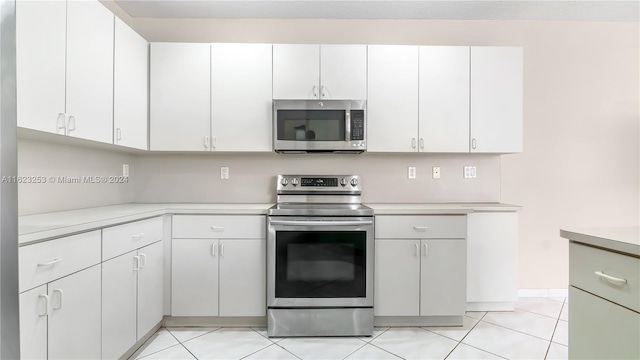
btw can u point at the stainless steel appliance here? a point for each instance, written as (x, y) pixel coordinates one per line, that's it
(307, 126)
(320, 258)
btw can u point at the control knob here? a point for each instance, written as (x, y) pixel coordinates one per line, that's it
(344, 182)
(284, 182)
(354, 182)
(294, 181)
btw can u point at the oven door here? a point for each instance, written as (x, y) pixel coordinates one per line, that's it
(320, 262)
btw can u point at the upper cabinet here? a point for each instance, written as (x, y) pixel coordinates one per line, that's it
(496, 99)
(444, 99)
(392, 107)
(64, 53)
(241, 97)
(319, 71)
(130, 82)
(180, 98)
(90, 71)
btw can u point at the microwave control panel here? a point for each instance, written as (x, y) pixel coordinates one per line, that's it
(357, 125)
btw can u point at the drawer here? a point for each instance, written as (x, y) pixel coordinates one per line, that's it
(585, 261)
(219, 226)
(421, 227)
(117, 240)
(50, 260)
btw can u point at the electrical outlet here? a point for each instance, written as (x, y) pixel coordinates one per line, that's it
(469, 172)
(436, 172)
(224, 173)
(125, 170)
(411, 172)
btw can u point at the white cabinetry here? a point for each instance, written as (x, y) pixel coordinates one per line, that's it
(496, 99)
(392, 105)
(319, 71)
(65, 66)
(132, 288)
(130, 100)
(218, 257)
(420, 267)
(492, 251)
(241, 97)
(444, 99)
(180, 97)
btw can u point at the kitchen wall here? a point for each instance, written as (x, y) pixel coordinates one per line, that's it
(196, 178)
(580, 165)
(56, 161)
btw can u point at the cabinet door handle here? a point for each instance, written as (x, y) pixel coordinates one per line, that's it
(118, 134)
(315, 93)
(426, 249)
(421, 228)
(215, 142)
(46, 304)
(71, 124)
(206, 142)
(417, 249)
(60, 302)
(413, 143)
(136, 260)
(322, 92)
(221, 249)
(421, 143)
(613, 279)
(213, 249)
(143, 260)
(473, 143)
(60, 121)
(50, 262)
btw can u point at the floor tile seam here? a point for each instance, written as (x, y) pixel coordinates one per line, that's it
(266, 337)
(257, 351)
(354, 351)
(533, 312)
(445, 336)
(189, 351)
(520, 332)
(506, 327)
(553, 334)
(282, 347)
(387, 351)
(195, 337)
(487, 351)
(470, 330)
(157, 351)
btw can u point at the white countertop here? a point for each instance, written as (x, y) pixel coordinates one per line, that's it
(38, 227)
(621, 239)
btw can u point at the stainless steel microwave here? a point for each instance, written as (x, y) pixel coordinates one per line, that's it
(309, 126)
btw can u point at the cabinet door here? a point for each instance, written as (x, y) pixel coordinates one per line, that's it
(397, 278)
(496, 99)
(150, 287)
(34, 306)
(343, 72)
(40, 64)
(243, 277)
(296, 71)
(392, 107)
(443, 271)
(180, 97)
(241, 98)
(194, 277)
(600, 329)
(130, 87)
(119, 287)
(74, 316)
(492, 252)
(444, 99)
(90, 71)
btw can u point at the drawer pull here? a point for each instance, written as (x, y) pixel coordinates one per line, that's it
(50, 262)
(137, 237)
(217, 228)
(420, 228)
(613, 279)
(46, 305)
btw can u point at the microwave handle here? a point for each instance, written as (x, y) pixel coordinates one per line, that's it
(347, 125)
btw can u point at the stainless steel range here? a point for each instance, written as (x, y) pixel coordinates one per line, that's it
(320, 258)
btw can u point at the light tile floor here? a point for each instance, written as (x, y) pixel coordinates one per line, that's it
(537, 329)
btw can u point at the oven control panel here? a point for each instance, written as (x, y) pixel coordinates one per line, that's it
(318, 183)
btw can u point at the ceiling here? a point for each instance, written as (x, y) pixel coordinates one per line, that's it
(572, 10)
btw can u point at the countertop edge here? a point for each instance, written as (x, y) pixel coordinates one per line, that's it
(602, 242)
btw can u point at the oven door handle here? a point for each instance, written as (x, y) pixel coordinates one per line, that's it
(321, 222)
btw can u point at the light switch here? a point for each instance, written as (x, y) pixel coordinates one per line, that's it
(224, 173)
(411, 172)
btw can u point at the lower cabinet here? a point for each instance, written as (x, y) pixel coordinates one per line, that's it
(61, 320)
(420, 277)
(218, 277)
(131, 289)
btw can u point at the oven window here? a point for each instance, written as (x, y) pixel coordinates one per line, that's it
(320, 264)
(311, 125)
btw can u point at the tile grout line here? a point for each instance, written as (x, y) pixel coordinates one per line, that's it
(533, 312)
(469, 332)
(554, 332)
(520, 332)
(387, 351)
(149, 343)
(282, 347)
